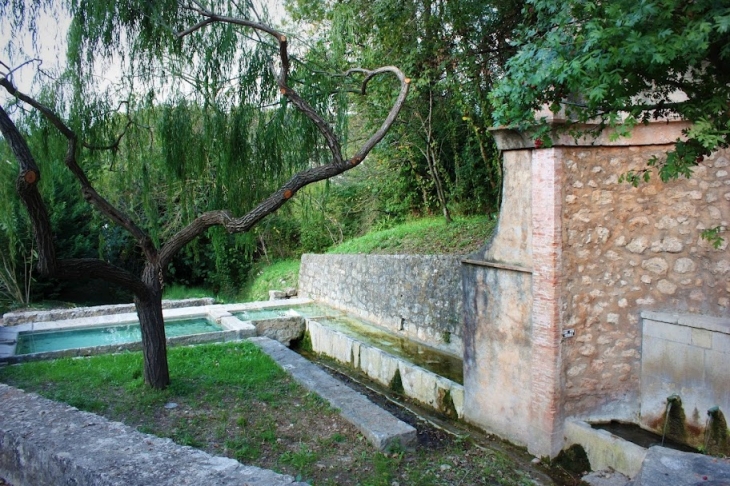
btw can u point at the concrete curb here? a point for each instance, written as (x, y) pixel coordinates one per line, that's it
(43, 442)
(381, 428)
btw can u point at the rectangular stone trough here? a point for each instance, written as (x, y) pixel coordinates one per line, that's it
(604, 449)
(421, 385)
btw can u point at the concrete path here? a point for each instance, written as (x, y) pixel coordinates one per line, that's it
(43, 442)
(381, 428)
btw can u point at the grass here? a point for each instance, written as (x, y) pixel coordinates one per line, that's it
(276, 276)
(179, 292)
(233, 400)
(429, 236)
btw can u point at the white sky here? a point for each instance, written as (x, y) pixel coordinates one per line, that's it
(51, 44)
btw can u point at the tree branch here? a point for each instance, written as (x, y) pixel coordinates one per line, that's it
(87, 190)
(27, 188)
(283, 76)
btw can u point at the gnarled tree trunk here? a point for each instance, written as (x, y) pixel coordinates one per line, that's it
(154, 345)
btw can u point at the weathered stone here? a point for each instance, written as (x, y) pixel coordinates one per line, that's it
(663, 466)
(638, 245)
(657, 265)
(45, 442)
(669, 244)
(277, 294)
(722, 267)
(684, 265)
(666, 287)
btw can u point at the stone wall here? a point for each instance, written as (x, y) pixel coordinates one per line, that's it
(630, 249)
(688, 356)
(418, 296)
(591, 254)
(497, 283)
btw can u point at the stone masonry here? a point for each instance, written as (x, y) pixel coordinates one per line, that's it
(631, 249)
(418, 296)
(553, 302)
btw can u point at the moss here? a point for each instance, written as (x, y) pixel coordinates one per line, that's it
(396, 383)
(573, 459)
(676, 424)
(717, 443)
(304, 344)
(446, 404)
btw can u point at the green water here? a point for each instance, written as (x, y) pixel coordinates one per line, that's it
(307, 310)
(43, 341)
(261, 314)
(426, 357)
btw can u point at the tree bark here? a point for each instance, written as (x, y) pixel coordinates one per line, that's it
(152, 324)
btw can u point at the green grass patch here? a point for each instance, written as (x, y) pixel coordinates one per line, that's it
(179, 292)
(276, 276)
(233, 400)
(428, 236)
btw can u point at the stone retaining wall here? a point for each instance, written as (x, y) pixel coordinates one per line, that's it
(44, 442)
(418, 296)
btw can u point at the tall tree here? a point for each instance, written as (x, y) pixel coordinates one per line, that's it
(454, 50)
(621, 63)
(236, 139)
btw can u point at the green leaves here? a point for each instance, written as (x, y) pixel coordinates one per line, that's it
(599, 60)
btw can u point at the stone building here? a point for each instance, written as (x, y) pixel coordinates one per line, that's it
(595, 299)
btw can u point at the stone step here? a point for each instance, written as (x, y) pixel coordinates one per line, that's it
(381, 428)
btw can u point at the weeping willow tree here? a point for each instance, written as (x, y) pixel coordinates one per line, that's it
(212, 125)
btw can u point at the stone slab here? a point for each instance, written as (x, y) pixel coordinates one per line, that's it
(48, 443)
(605, 478)
(381, 428)
(665, 467)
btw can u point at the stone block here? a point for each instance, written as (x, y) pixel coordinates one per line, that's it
(668, 332)
(604, 449)
(701, 338)
(277, 294)
(721, 343)
(284, 329)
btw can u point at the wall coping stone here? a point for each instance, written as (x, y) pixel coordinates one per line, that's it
(696, 321)
(45, 442)
(661, 132)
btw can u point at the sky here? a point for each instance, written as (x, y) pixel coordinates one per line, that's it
(49, 49)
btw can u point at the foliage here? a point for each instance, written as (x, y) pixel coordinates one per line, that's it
(279, 275)
(622, 63)
(440, 156)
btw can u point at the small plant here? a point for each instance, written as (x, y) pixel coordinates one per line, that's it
(301, 460)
